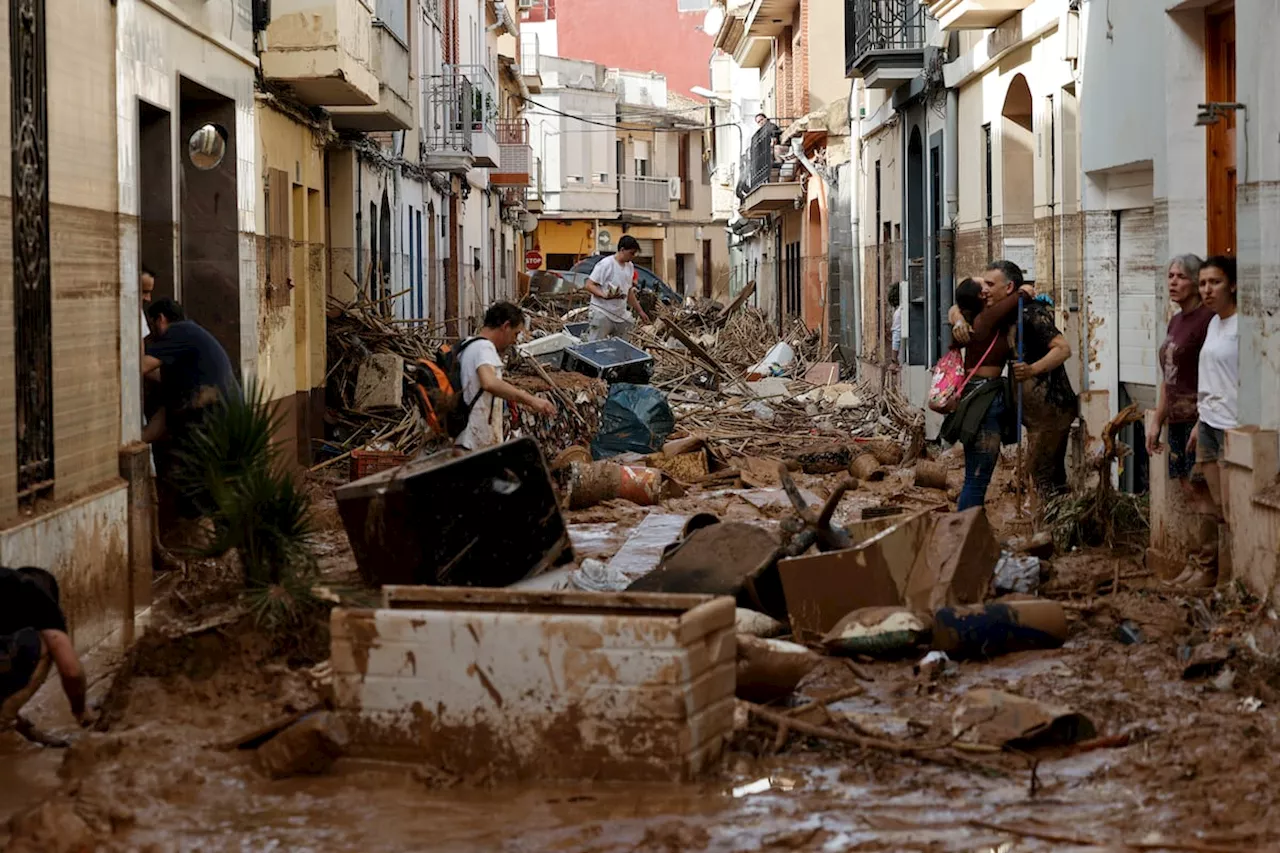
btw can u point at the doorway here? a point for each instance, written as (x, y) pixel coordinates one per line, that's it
(210, 260)
(913, 301)
(155, 197)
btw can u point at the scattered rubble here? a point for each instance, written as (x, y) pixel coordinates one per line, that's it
(308, 747)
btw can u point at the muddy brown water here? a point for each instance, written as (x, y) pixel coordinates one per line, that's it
(1201, 764)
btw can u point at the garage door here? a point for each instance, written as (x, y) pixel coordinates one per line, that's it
(1138, 284)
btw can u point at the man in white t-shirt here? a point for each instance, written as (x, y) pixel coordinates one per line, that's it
(481, 368)
(612, 286)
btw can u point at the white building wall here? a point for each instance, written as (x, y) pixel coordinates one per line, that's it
(209, 43)
(1258, 210)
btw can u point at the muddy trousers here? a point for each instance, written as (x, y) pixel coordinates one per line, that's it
(1047, 460)
(980, 457)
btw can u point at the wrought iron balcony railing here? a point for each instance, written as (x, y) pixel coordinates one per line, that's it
(882, 25)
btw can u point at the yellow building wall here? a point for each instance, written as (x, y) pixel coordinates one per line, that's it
(291, 324)
(565, 237)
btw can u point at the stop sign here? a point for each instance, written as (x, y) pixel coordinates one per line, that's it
(532, 260)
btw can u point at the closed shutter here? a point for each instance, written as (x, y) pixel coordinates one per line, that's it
(278, 228)
(1139, 307)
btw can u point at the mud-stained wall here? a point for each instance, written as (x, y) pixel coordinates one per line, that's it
(85, 545)
(291, 275)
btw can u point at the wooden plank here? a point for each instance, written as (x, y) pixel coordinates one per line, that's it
(468, 598)
(694, 347)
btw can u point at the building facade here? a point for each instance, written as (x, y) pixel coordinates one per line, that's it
(788, 177)
(1177, 156)
(63, 503)
(968, 127)
(620, 155)
(260, 159)
(643, 35)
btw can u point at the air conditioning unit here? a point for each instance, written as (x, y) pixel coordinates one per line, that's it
(673, 189)
(526, 5)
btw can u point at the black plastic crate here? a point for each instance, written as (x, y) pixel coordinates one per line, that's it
(613, 360)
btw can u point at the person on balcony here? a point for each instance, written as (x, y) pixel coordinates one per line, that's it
(612, 286)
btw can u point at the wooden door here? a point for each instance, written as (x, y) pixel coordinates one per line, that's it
(1220, 147)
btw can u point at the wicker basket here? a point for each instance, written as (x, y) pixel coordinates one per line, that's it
(367, 462)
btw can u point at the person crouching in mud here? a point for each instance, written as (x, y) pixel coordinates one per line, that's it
(983, 420)
(34, 639)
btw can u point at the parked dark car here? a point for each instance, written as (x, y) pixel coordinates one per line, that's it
(648, 283)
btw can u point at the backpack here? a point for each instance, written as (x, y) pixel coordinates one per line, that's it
(438, 389)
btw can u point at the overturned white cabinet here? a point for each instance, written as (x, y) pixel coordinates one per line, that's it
(557, 685)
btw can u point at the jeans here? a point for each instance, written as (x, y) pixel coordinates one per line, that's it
(980, 457)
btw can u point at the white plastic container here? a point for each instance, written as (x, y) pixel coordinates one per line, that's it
(775, 362)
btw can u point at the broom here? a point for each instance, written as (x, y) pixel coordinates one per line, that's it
(1021, 525)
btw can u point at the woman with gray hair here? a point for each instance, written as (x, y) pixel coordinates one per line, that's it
(1180, 368)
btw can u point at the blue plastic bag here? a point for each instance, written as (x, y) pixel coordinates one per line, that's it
(636, 419)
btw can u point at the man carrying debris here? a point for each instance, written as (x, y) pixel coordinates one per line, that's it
(612, 288)
(481, 368)
(33, 638)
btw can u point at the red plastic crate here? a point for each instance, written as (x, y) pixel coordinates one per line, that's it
(367, 462)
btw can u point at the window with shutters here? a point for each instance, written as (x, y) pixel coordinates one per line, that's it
(278, 229)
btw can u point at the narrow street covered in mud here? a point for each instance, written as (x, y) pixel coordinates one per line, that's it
(1134, 716)
(597, 426)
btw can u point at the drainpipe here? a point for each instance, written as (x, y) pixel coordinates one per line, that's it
(855, 208)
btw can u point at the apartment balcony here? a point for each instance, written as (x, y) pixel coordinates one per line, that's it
(460, 128)
(768, 181)
(974, 14)
(322, 50)
(393, 110)
(644, 195)
(884, 41)
(515, 155)
(533, 192)
(765, 21)
(531, 62)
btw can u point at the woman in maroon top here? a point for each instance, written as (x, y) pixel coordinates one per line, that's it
(1180, 368)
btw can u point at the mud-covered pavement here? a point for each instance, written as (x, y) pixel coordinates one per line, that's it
(1196, 773)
